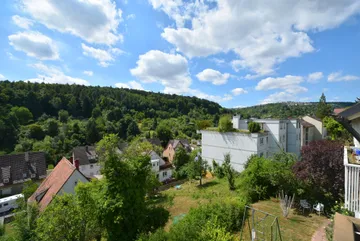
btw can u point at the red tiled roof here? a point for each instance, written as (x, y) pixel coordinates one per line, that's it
(338, 110)
(53, 183)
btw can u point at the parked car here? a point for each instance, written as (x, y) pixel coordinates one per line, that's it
(10, 203)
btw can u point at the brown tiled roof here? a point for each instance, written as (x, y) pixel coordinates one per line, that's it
(19, 167)
(53, 183)
(166, 166)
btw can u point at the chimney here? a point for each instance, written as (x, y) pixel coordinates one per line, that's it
(27, 156)
(76, 164)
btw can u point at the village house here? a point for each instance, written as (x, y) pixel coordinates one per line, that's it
(170, 150)
(19, 168)
(62, 179)
(162, 169)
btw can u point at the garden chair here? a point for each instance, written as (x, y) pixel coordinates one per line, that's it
(319, 208)
(305, 205)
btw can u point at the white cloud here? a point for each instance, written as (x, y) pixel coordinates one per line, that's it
(287, 82)
(2, 77)
(238, 91)
(130, 85)
(88, 72)
(95, 21)
(315, 77)
(278, 97)
(218, 61)
(216, 98)
(22, 22)
(337, 76)
(35, 44)
(52, 75)
(213, 76)
(170, 70)
(262, 35)
(105, 57)
(131, 16)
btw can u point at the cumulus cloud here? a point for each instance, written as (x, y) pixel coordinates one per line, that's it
(170, 70)
(131, 16)
(216, 98)
(52, 75)
(105, 57)
(22, 22)
(94, 21)
(315, 77)
(338, 76)
(262, 35)
(213, 76)
(130, 85)
(34, 44)
(287, 82)
(2, 77)
(238, 91)
(278, 97)
(88, 72)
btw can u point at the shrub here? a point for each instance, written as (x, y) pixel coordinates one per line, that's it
(218, 170)
(254, 127)
(229, 171)
(225, 124)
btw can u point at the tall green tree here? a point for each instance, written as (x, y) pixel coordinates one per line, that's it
(163, 132)
(196, 168)
(323, 109)
(229, 171)
(92, 133)
(52, 127)
(23, 114)
(63, 116)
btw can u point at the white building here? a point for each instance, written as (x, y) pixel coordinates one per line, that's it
(276, 135)
(162, 169)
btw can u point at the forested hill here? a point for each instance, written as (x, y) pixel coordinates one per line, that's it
(285, 109)
(55, 117)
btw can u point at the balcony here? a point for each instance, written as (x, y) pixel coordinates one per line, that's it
(352, 180)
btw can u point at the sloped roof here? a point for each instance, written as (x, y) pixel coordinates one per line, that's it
(306, 124)
(185, 143)
(154, 141)
(350, 111)
(82, 153)
(53, 183)
(18, 167)
(338, 110)
(154, 156)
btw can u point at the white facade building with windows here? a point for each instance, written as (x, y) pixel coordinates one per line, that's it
(277, 135)
(162, 169)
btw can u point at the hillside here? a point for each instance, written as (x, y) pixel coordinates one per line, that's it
(55, 117)
(285, 109)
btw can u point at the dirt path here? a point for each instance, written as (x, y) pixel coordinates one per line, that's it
(320, 234)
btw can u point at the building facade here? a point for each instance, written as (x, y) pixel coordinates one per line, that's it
(162, 169)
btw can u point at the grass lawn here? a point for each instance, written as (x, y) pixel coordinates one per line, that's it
(178, 202)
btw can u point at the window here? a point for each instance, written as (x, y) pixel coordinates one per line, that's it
(91, 166)
(164, 174)
(153, 164)
(261, 141)
(24, 175)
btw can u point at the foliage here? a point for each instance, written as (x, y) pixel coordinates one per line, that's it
(264, 178)
(63, 116)
(225, 124)
(323, 109)
(164, 133)
(218, 170)
(229, 171)
(92, 133)
(196, 168)
(203, 124)
(23, 114)
(29, 188)
(181, 158)
(52, 127)
(36, 132)
(254, 127)
(321, 169)
(25, 222)
(214, 231)
(336, 130)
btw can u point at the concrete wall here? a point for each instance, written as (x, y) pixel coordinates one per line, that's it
(293, 137)
(240, 146)
(319, 132)
(277, 134)
(90, 170)
(69, 186)
(162, 176)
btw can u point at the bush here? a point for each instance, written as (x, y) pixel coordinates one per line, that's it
(218, 170)
(254, 127)
(225, 124)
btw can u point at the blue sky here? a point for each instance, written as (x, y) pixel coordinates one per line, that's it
(237, 53)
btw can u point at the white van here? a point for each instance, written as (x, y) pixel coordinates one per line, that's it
(9, 203)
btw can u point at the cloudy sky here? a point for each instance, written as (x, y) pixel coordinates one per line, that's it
(237, 53)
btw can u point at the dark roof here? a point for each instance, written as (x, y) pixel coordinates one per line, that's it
(154, 156)
(306, 124)
(154, 141)
(53, 183)
(350, 111)
(185, 143)
(166, 165)
(17, 168)
(85, 154)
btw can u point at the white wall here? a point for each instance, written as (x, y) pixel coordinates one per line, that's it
(69, 186)
(319, 130)
(293, 136)
(90, 170)
(240, 146)
(162, 176)
(155, 165)
(277, 136)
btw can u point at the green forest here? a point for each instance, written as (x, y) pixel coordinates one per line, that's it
(55, 118)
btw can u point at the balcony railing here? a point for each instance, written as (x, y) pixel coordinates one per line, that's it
(352, 183)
